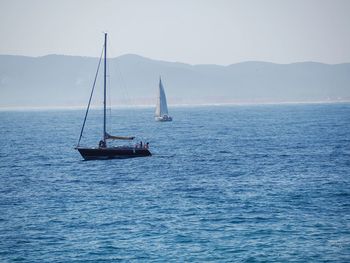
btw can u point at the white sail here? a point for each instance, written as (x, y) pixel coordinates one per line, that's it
(162, 108)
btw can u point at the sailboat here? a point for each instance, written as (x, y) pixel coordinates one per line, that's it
(103, 151)
(162, 107)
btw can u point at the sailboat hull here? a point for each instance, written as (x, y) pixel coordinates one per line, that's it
(113, 153)
(164, 118)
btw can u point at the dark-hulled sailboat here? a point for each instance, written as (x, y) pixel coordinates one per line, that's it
(103, 151)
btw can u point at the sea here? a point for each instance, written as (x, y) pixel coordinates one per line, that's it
(241, 183)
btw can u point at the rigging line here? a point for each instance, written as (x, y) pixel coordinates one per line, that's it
(128, 100)
(112, 67)
(110, 95)
(109, 89)
(124, 92)
(124, 96)
(92, 92)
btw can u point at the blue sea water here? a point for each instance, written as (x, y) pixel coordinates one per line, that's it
(225, 184)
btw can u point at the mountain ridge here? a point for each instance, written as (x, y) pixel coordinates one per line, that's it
(64, 80)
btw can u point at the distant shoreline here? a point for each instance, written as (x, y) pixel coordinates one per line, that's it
(61, 82)
(52, 108)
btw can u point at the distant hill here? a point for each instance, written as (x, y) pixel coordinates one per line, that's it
(57, 80)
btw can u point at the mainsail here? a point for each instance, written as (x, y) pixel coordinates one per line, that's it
(162, 108)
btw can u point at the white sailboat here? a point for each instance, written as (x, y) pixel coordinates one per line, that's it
(162, 107)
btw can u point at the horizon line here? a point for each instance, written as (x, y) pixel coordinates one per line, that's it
(43, 108)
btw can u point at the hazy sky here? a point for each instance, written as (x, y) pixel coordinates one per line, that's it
(191, 31)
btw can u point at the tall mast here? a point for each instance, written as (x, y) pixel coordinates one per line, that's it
(104, 91)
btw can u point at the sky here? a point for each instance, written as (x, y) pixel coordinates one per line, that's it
(190, 31)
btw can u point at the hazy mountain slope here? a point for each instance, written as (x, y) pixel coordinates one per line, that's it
(57, 80)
